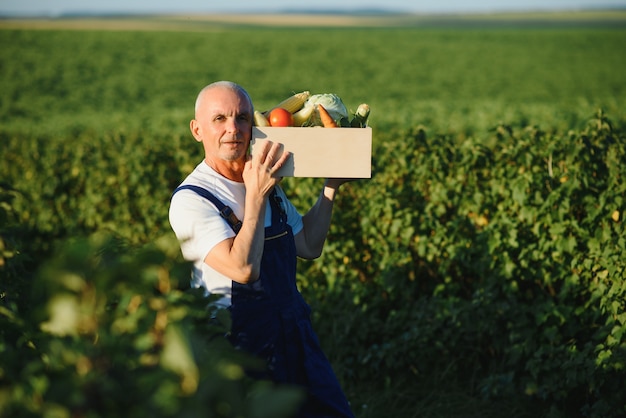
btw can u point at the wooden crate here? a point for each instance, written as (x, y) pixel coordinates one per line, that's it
(321, 152)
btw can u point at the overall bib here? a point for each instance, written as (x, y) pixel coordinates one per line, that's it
(271, 320)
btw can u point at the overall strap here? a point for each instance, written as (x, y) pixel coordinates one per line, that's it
(225, 211)
(278, 211)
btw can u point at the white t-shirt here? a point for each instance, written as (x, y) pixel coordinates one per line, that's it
(199, 226)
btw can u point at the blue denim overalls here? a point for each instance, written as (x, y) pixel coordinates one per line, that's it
(271, 320)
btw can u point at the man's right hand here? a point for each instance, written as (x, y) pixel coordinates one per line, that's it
(259, 174)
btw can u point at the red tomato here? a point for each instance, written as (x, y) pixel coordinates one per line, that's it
(280, 117)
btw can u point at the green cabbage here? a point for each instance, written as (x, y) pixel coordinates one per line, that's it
(332, 103)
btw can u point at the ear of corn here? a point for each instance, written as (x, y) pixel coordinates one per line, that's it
(260, 120)
(292, 103)
(360, 116)
(303, 115)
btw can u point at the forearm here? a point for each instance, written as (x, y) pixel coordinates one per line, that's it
(239, 258)
(316, 222)
(247, 249)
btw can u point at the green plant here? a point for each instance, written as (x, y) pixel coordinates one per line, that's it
(481, 267)
(112, 334)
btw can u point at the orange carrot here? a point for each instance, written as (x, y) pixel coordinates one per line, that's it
(327, 120)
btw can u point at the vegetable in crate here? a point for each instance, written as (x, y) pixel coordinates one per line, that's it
(308, 116)
(360, 116)
(327, 120)
(280, 117)
(260, 119)
(302, 116)
(292, 103)
(304, 109)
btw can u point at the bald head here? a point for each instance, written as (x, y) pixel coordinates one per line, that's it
(229, 85)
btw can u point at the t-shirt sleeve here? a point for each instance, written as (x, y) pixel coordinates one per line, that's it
(197, 224)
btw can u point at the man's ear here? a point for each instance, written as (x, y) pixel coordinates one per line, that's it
(196, 130)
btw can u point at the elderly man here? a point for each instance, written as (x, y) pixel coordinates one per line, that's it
(244, 236)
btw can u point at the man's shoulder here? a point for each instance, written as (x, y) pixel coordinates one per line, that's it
(203, 177)
(228, 192)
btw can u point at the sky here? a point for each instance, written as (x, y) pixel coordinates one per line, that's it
(58, 7)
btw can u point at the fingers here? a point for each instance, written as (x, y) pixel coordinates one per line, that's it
(280, 162)
(273, 157)
(271, 151)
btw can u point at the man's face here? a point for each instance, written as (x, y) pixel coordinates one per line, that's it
(224, 124)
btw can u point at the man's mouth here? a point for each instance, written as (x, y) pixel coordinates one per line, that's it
(232, 141)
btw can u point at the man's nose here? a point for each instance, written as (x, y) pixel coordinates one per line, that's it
(232, 125)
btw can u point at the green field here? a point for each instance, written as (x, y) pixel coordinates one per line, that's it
(480, 272)
(458, 80)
